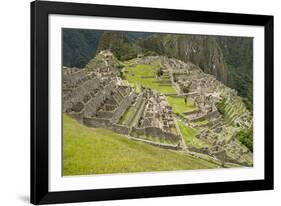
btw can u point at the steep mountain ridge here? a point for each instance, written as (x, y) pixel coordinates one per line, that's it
(79, 46)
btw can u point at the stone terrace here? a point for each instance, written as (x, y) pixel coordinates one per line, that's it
(157, 118)
(206, 93)
(97, 97)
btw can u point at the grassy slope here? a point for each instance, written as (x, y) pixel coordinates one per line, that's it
(179, 106)
(125, 118)
(142, 74)
(97, 151)
(189, 135)
(201, 122)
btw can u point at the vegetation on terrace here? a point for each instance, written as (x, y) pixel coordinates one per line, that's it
(159, 139)
(189, 135)
(245, 136)
(201, 122)
(126, 116)
(179, 106)
(144, 75)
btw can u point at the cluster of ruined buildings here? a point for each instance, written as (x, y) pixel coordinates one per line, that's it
(98, 97)
(206, 92)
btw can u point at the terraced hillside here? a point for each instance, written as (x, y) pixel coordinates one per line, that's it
(151, 113)
(142, 74)
(214, 112)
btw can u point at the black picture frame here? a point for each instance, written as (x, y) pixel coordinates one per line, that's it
(40, 113)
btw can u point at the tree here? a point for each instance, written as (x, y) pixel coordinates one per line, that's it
(159, 72)
(245, 136)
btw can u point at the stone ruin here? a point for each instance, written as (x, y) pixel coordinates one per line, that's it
(157, 118)
(99, 98)
(205, 91)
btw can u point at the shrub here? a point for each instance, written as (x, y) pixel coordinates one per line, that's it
(245, 136)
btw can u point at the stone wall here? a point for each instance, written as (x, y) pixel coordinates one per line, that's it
(191, 112)
(97, 122)
(92, 106)
(106, 123)
(74, 77)
(78, 93)
(155, 131)
(78, 116)
(157, 144)
(200, 150)
(105, 114)
(136, 108)
(212, 115)
(126, 102)
(121, 129)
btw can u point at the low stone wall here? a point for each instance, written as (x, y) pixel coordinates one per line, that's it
(200, 150)
(157, 144)
(155, 131)
(121, 129)
(208, 116)
(138, 131)
(200, 118)
(191, 112)
(77, 115)
(97, 122)
(229, 159)
(105, 114)
(106, 123)
(174, 95)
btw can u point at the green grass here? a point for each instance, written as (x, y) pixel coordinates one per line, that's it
(189, 135)
(178, 105)
(201, 122)
(100, 151)
(135, 119)
(160, 140)
(126, 116)
(144, 75)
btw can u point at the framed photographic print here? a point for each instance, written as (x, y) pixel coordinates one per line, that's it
(131, 102)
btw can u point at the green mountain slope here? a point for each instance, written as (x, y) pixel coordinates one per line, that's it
(119, 44)
(79, 46)
(98, 151)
